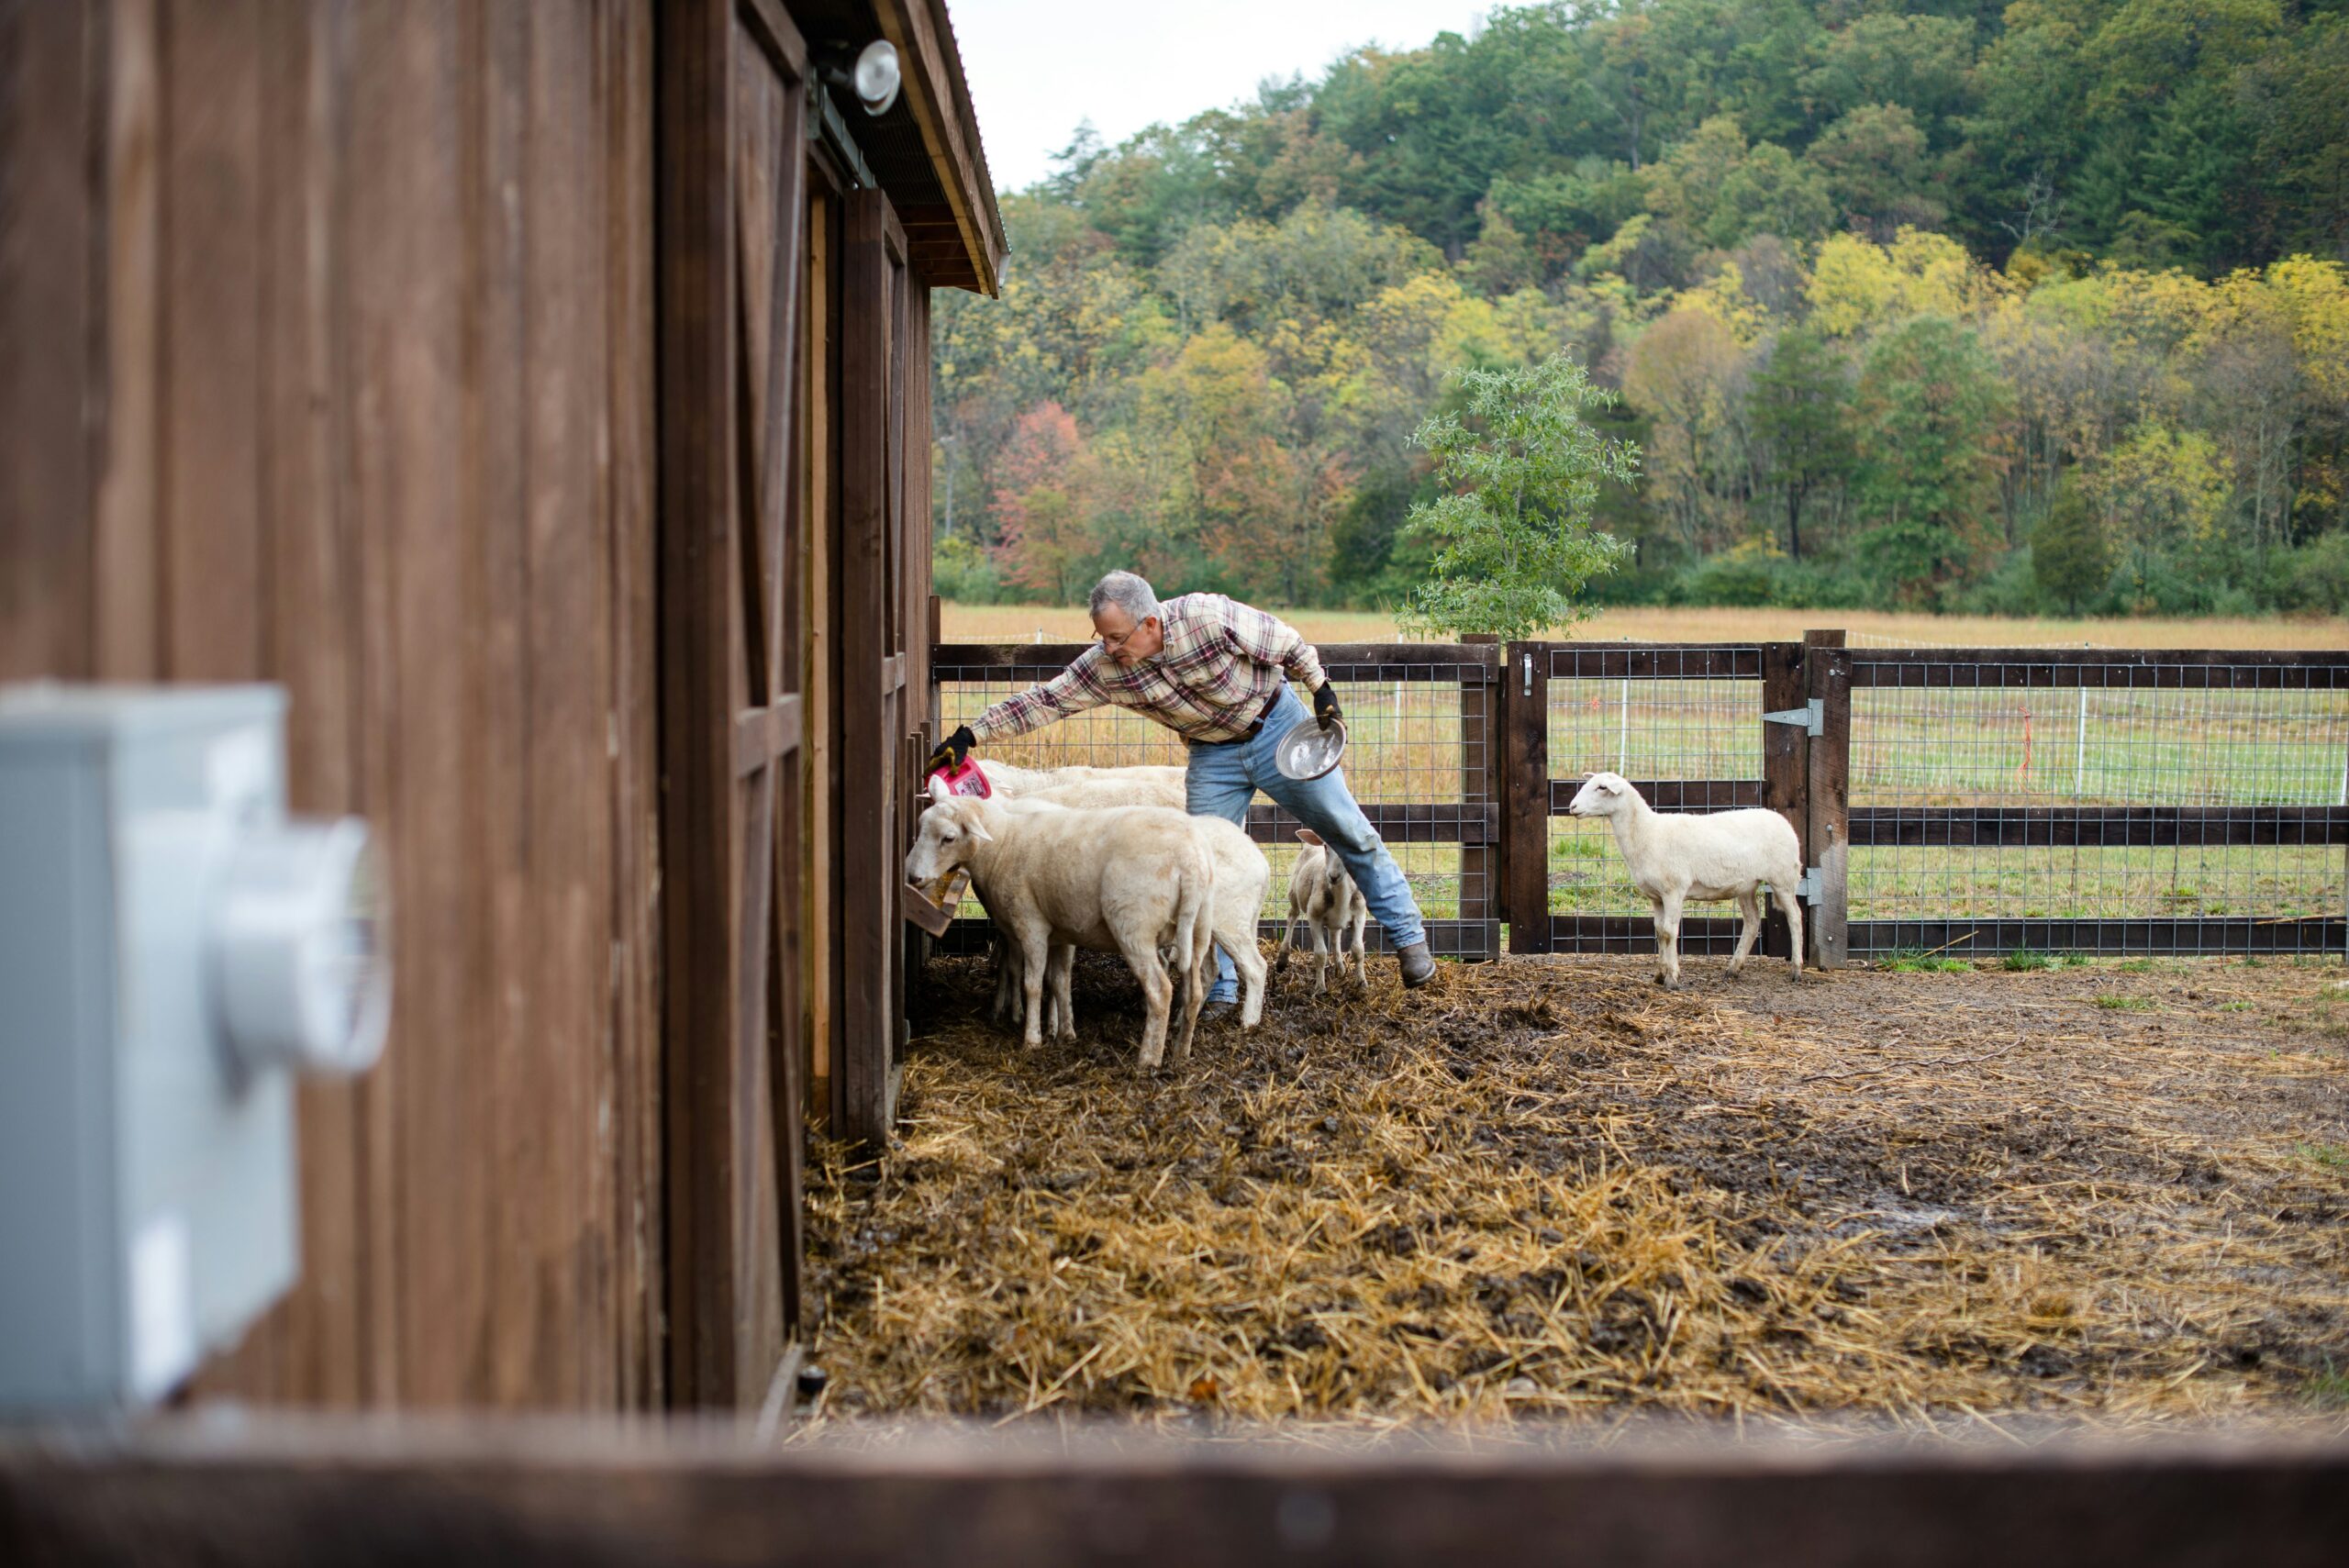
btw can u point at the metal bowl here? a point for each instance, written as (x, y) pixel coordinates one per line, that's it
(1308, 751)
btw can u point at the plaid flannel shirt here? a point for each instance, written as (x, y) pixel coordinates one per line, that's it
(1221, 663)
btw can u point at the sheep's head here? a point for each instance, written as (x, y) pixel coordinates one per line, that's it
(1602, 794)
(951, 830)
(1334, 870)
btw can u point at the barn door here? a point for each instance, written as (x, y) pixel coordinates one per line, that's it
(731, 172)
(875, 365)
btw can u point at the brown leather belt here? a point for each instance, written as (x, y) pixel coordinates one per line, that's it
(1256, 729)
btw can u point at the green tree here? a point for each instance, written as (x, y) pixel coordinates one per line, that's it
(1801, 415)
(2298, 113)
(1928, 406)
(1718, 188)
(1921, 64)
(1873, 166)
(1519, 478)
(2070, 559)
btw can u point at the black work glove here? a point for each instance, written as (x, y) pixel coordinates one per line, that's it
(952, 750)
(1325, 705)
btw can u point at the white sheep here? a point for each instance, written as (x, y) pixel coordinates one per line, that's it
(1721, 854)
(1085, 788)
(1131, 787)
(1127, 882)
(1241, 875)
(1324, 900)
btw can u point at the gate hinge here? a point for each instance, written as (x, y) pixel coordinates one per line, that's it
(1811, 715)
(1809, 888)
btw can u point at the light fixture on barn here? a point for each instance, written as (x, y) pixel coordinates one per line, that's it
(872, 74)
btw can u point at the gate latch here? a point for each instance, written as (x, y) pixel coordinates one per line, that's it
(1811, 715)
(1809, 888)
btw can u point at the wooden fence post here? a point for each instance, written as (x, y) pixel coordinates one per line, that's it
(1827, 679)
(935, 712)
(1784, 764)
(1525, 794)
(1483, 864)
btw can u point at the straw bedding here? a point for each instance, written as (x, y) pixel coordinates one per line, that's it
(1545, 1188)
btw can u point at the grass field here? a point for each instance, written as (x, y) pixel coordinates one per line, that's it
(2040, 747)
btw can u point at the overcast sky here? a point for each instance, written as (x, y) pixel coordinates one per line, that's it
(1038, 67)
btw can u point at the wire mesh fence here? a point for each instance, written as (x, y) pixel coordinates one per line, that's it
(2119, 800)
(2126, 802)
(1682, 724)
(1420, 755)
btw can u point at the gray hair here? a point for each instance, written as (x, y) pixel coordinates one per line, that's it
(1128, 592)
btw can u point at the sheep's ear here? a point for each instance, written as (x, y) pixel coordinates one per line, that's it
(1609, 785)
(938, 790)
(979, 830)
(1310, 836)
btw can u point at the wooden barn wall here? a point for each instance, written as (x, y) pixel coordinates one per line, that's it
(325, 343)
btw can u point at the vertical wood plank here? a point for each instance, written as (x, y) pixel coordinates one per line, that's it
(565, 526)
(1828, 677)
(213, 561)
(366, 312)
(309, 634)
(513, 1066)
(699, 633)
(867, 739)
(1525, 793)
(1785, 767)
(51, 226)
(819, 754)
(937, 622)
(632, 718)
(775, 170)
(127, 621)
(423, 717)
(212, 591)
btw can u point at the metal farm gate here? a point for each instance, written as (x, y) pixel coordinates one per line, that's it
(1972, 800)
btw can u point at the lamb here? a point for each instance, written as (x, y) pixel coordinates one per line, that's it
(1241, 875)
(1128, 881)
(1721, 854)
(1324, 899)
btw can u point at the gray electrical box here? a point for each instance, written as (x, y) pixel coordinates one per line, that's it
(171, 950)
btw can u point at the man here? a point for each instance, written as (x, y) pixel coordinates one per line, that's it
(1218, 673)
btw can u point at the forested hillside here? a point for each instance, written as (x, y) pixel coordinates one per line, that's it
(2039, 308)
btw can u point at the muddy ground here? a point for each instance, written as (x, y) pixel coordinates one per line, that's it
(1545, 1187)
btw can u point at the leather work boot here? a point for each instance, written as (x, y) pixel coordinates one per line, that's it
(1419, 968)
(1215, 1012)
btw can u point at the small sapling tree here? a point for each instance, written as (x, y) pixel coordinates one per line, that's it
(1514, 543)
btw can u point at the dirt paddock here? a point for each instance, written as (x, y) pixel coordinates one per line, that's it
(1545, 1187)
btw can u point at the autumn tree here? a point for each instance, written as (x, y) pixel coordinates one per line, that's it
(1681, 374)
(1039, 501)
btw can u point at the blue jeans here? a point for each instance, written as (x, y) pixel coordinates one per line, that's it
(1223, 780)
